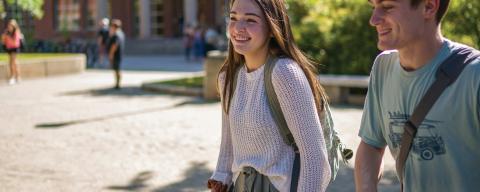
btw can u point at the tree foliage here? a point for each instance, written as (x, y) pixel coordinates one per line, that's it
(462, 22)
(336, 33)
(33, 7)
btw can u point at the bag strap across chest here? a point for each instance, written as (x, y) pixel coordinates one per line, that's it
(446, 74)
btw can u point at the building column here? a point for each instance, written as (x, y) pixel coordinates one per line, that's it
(145, 19)
(102, 7)
(190, 12)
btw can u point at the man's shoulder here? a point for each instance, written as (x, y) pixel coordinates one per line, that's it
(474, 56)
(385, 60)
(386, 56)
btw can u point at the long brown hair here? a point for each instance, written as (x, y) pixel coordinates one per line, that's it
(281, 44)
(16, 28)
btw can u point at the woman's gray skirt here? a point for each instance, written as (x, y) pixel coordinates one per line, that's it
(250, 180)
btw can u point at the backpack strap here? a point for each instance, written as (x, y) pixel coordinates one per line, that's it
(280, 120)
(447, 73)
(272, 102)
(234, 86)
(275, 105)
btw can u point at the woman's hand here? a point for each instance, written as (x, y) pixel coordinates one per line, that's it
(216, 186)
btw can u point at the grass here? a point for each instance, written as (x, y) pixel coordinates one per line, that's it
(28, 56)
(191, 82)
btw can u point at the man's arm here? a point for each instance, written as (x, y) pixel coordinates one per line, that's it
(368, 163)
(111, 53)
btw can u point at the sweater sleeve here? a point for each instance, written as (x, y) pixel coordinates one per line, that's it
(298, 106)
(223, 170)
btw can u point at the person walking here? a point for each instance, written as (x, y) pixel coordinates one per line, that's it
(211, 38)
(116, 46)
(188, 38)
(253, 153)
(102, 40)
(11, 39)
(435, 151)
(198, 43)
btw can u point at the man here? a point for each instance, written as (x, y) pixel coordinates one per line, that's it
(445, 153)
(115, 48)
(102, 39)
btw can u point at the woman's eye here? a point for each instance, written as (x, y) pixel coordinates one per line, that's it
(251, 21)
(233, 19)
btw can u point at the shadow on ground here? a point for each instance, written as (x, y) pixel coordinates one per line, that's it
(62, 124)
(197, 174)
(346, 106)
(136, 184)
(345, 181)
(128, 91)
(194, 180)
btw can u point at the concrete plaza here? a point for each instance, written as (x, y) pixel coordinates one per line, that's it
(75, 133)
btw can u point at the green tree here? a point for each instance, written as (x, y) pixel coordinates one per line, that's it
(352, 46)
(336, 33)
(462, 22)
(33, 7)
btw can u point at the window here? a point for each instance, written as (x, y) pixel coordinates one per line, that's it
(68, 15)
(92, 13)
(157, 17)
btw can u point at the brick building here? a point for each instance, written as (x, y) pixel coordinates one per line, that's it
(142, 19)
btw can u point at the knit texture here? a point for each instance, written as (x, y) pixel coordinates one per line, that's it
(250, 136)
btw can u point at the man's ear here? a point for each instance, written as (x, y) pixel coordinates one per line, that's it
(431, 8)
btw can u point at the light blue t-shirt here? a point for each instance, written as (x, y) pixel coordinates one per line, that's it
(445, 154)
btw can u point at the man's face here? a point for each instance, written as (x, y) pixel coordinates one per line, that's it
(398, 24)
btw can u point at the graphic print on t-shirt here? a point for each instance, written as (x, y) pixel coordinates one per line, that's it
(426, 144)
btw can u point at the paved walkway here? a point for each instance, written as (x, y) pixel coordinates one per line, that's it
(172, 63)
(75, 133)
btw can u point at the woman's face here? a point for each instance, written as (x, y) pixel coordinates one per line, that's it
(10, 27)
(248, 28)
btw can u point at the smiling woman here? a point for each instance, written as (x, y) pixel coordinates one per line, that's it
(253, 154)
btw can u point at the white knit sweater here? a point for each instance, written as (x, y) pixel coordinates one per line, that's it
(250, 136)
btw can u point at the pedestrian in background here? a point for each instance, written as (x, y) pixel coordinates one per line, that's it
(253, 155)
(211, 38)
(102, 40)
(198, 43)
(116, 46)
(11, 39)
(188, 41)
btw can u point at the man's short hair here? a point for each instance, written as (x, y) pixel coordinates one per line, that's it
(442, 8)
(116, 23)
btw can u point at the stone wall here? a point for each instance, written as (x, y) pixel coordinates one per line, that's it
(212, 66)
(44, 67)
